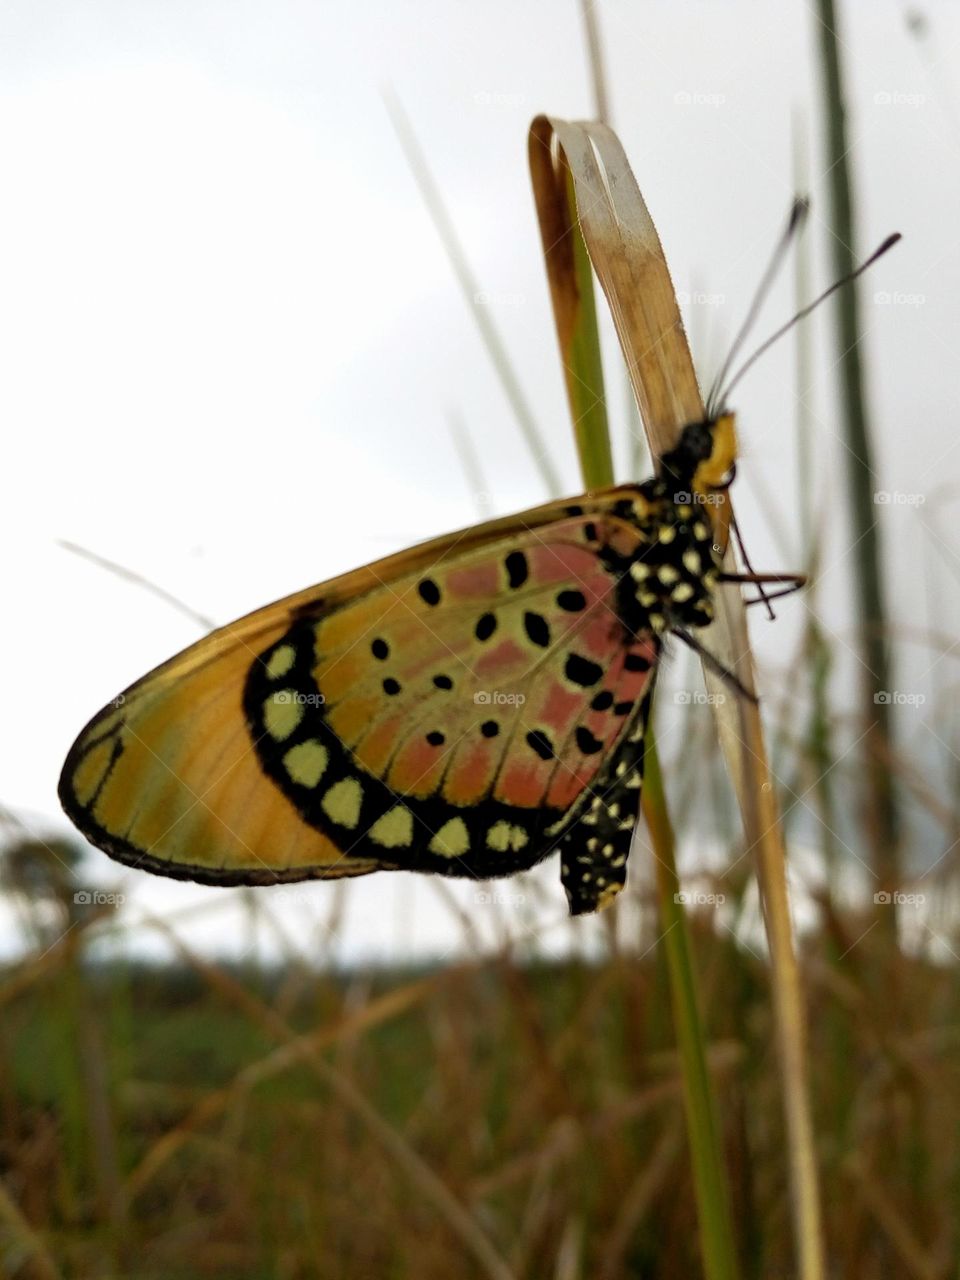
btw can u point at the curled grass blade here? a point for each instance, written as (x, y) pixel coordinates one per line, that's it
(629, 261)
(571, 287)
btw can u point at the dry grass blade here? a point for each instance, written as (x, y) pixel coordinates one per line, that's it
(469, 286)
(23, 1251)
(289, 1055)
(628, 259)
(916, 1261)
(457, 1217)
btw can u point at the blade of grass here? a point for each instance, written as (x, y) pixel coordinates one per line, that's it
(816, 651)
(459, 1220)
(471, 292)
(883, 819)
(571, 289)
(24, 1252)
(290, 1054)
(627, 256)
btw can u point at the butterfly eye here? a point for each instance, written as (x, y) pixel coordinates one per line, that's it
(727, 480)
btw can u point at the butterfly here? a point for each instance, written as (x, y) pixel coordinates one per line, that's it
(466, 707)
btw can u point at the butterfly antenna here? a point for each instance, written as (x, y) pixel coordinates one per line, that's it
(797, 216)
(805, 311)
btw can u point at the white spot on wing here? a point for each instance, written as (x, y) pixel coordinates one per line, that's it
(452, 840)
(306, 762)
(281, 714)
(394, 830)
(502, 837)
(342, 802)
(281, 661)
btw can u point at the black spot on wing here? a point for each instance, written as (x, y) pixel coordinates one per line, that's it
(517, 568)
(429, 591)
(536, 628)
(540, 743)
(486, 626)
(587, 743)
(572, 601)
(582, 671)
(636, 662)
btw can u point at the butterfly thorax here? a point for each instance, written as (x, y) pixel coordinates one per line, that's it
(669, 578)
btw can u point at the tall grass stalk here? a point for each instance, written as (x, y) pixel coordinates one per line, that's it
(882, 816)
(571, 279)
(821, 756)
(470, 288)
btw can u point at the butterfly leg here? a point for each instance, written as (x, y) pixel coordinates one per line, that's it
(595, 848)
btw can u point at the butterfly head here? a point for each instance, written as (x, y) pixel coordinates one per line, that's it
(704, 459)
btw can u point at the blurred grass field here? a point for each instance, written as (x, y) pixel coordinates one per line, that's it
(183, 1121)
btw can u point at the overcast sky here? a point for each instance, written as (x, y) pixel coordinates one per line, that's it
(232, 343)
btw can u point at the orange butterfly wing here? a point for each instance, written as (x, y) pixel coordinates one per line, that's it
(167, 778)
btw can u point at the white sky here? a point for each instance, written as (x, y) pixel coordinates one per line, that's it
(232, 342)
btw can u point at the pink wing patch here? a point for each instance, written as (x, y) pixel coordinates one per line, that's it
(508, 677)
